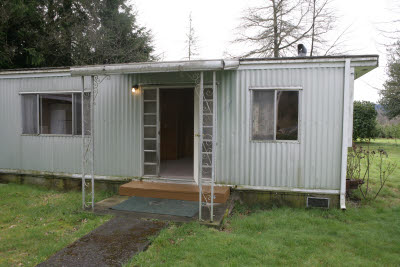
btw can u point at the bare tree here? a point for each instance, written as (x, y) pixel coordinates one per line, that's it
(275, 28)
(322, 21)
(191, 40)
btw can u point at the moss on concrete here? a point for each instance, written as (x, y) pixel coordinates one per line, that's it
(61, 183)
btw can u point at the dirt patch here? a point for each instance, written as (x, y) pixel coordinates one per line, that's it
(111, 244)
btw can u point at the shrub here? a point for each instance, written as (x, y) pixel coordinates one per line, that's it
(364, 120)
(388, 131)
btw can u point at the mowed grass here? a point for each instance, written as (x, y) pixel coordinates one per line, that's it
(366, 234)
(36, 222)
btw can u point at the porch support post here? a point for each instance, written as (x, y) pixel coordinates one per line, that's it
(92, 96)
(83, 141)
(214, 142)
(201, 142)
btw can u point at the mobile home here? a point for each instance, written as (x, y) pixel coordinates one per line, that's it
(279, 125)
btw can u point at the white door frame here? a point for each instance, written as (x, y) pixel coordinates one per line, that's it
(159, 87)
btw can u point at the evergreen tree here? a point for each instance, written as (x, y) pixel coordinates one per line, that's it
(20, 32)
(390, 96)
(51, 33)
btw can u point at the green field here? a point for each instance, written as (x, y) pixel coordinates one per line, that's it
(35, 223)
(366, 234)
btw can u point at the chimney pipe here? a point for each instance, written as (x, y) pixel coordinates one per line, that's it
(301, 50)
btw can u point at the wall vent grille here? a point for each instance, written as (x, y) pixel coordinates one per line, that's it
(317, 202)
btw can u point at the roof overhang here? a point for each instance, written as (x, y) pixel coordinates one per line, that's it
(156, 67)
(362, 64)
(34, 73)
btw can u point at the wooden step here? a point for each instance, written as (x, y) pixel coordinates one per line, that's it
(172, 191)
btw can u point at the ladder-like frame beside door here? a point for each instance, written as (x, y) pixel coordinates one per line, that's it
(151, 132)
(207, 143)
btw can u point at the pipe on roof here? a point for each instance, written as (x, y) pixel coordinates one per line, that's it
(154, 67)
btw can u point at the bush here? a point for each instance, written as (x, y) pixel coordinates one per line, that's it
(364, 120)
(388, 131)
(360, 162)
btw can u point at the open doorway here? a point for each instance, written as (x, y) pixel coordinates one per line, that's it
(176, 133)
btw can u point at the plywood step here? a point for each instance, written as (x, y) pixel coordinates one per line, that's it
(172, 191)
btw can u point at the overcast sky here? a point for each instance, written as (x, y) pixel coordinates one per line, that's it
(215, 21)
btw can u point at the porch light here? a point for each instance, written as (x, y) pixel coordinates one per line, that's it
(134, 88)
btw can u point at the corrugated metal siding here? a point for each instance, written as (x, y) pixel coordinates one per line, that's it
(314, 162)
(118, 131)
(10, 114)
(41, 153)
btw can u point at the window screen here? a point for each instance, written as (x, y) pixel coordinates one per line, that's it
(275, 114)
(263, 115)
(29, 114)
(56, 114)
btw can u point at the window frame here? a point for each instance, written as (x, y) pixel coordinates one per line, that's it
(298, 89)
(39, 112)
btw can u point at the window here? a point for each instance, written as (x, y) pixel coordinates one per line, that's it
(78, 113)
(55, 113)
(274, 114)
(30, 114)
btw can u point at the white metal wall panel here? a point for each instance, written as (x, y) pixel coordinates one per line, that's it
(314, 162)
(118, 128)
(10, 114)
(41, 153)
(118, 135)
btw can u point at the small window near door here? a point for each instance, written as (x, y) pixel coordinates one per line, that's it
(274, 115)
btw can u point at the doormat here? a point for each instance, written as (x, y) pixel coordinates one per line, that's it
(159, 206)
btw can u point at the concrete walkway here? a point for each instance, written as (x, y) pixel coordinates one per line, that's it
(111, 244)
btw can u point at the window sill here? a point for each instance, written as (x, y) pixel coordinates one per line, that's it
(276, 141)
(54, 135)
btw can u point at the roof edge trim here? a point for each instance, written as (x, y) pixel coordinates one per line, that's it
(154, 67)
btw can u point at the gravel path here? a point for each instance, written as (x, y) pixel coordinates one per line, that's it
(111, 244)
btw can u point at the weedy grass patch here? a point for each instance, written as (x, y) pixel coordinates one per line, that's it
(36, 222)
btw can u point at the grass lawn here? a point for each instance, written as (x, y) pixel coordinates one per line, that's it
(36, 222)
(366, 234)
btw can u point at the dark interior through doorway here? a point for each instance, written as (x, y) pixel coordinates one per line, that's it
(176, 133)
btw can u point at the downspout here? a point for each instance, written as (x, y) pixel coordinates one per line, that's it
(345, 124)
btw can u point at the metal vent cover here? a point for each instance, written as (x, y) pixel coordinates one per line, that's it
(318, 202)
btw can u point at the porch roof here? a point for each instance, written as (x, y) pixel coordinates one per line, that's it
(154, 67)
